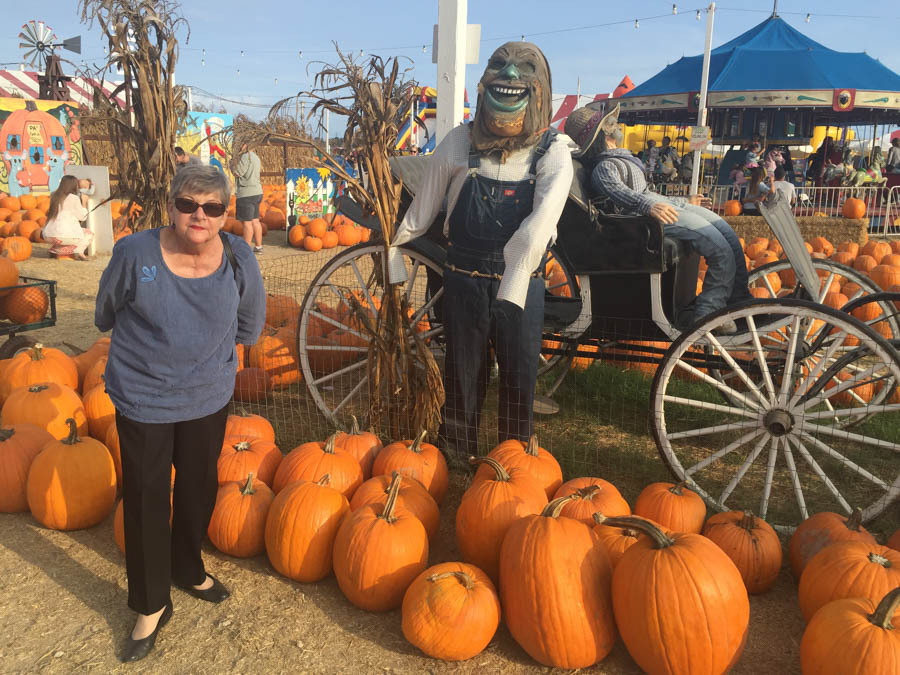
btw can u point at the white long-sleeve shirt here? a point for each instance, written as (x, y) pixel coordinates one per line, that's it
(448, 170)
(66, 224)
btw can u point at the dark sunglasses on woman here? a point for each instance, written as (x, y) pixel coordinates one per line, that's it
(211, 209)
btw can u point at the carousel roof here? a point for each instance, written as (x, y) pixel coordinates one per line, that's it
(783, 65)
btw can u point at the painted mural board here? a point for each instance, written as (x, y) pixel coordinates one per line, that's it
(195, 139)
(309, 192)
(38, 140)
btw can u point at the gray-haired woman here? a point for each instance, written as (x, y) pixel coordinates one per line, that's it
(178, 298)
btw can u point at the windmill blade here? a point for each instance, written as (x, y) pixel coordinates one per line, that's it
(29, 31)
(45, 34)
(32, 56)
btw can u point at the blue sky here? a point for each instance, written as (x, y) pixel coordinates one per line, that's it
(271, 34)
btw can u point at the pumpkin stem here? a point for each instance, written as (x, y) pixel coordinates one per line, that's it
(6, 434)
(553, 509)
(72, 438)
(248, 487)
(855, 520)
(416, 444)
(329, 445)
(463, 578)
(660, 538)
(37, 388)
(242, 412)
(531, 447)
(388, 511)
(748, 522)
(880, 560)
(241, 446)
(883, 614)
(354, 426)
(37, 352)
(500, 472)
(324, 480)
(678, 488)
(587, 492)
(599, 518)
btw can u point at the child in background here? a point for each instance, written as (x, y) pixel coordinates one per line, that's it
(68, 208)
(752, 160)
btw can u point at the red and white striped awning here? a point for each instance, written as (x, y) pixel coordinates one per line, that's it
(24, 84)
(566, 103)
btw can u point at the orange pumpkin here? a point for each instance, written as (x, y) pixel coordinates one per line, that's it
(850, 247)
(94, 375)
(451, 611)
(317, 227)
(617, 540)
(752, 545)
(417, 459)
(853, 208)
(251, 385)
(378, 552)
(310, 461)
(885, 276)
(27, 304)
(100, 411)
(238, 523)
(72, 482)
(275, 218)
(820, 530)
(36, 365)
(311, 243)
(276, 355)
(9, 276)
(18, 248)
(112, 444)
(86, 359)
(732, 207)
(591, 495)
(48, 406)
(672, 506)
(301, 527)
(19, 445)
(329, 239)
(348, 234)
(27, 201)
(876, 249)
(822, 245)
(240, 458)
(530, 456)
(248, 426)
(412, 496)
(296, 235)
(364, 445)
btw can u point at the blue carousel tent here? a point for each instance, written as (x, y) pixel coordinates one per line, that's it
(773, 65)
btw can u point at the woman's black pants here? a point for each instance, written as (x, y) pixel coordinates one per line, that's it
(475, 321)
(155, 553)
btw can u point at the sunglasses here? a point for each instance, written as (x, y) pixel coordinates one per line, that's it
(211, 209)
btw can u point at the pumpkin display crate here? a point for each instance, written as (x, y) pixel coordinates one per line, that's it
(29, 305)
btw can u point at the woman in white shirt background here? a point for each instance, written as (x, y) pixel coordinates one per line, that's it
(68, 209)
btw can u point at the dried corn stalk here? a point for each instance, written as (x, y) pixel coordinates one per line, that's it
(142, 43)
(406, 391)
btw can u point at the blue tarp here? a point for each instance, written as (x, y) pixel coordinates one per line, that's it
(771, 56)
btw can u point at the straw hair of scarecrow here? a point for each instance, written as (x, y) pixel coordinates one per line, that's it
(406, 391)
(142, 44)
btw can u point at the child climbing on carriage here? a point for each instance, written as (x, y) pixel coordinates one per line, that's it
(618, 177)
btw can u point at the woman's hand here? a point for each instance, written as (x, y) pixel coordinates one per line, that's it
(664, 213)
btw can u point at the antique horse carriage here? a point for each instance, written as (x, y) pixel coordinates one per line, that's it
(791, 415)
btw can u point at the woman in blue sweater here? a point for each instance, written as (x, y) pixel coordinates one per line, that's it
(178, 298)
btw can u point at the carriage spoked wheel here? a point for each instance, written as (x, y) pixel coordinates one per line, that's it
(767, 434)
(332, 343)
(864, 300)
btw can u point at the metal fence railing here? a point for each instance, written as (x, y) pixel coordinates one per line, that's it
(882, 204)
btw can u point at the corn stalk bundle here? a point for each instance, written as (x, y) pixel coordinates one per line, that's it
(141, 36)
(405, 387)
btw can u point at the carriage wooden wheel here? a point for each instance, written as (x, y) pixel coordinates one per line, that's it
(766, 432)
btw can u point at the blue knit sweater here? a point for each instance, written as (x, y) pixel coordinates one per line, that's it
(172, 353)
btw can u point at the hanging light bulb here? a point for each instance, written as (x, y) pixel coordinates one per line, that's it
(523, 39)
(238, 72)
(360, 53)
(674, 9)
(299, 53)
(276, 81)
(202, 53)
(637, 24)
(808, 17)
(698, 15)
(423, 49)
(203, 62)
(242, 53)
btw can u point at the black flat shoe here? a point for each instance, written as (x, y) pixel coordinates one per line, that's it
(215, 593)
(135, 650)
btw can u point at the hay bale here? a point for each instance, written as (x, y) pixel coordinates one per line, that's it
(835, 229)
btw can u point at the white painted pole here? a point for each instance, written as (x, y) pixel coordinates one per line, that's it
(327, 131)
(451, 65)
(704, 83)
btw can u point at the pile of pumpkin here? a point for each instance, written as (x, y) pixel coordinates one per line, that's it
(326, 231)
(21, 220)
(852, 208)
(272, 211)
(20, 304)
(333, 333)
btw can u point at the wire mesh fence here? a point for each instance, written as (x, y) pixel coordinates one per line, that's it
(708, 416)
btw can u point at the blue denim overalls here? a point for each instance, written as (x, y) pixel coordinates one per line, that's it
(486, 215)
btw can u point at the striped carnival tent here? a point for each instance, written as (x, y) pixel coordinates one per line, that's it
(24, 84)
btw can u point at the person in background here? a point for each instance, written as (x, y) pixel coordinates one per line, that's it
(892, 162)
(245, 167)
(68, 209)
(177, 299)
(783, 187)
(650, 157)
(758, 191)
(183, 159)
(414, 150)
(617, 176)
(668, 151)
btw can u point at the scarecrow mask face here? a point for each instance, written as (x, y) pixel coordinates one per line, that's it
(515, 91)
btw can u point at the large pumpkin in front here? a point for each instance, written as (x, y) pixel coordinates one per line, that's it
(72, 483)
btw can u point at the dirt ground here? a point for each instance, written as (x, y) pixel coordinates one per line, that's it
(64, 593)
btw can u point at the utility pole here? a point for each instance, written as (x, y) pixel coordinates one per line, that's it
(704, 84)
(451, 64)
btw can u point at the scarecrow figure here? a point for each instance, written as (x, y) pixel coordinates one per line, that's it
(505, 178)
